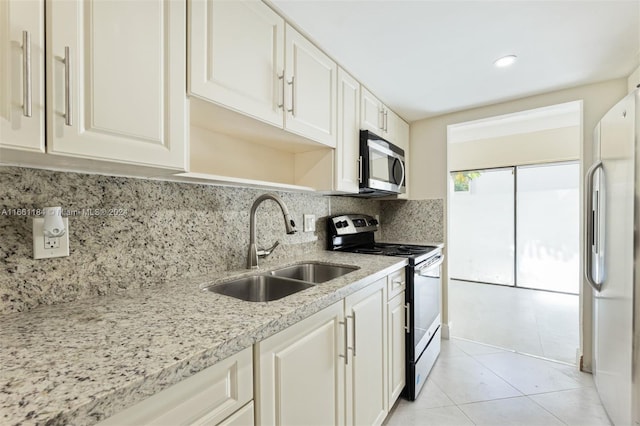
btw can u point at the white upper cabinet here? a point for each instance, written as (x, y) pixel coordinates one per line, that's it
(396, 128)
(243, 56)
(311, 78)
(236, 57)
(377, 118)
(22, 75)
(116, 81)
(371, 113)
(347, 148)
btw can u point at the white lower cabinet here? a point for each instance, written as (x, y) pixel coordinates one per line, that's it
(220, 394)
(329, 369)
(300, 372)
(242, 417)
(367, 369)
(396, 315)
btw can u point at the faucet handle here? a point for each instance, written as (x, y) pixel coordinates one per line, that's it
(266, 252)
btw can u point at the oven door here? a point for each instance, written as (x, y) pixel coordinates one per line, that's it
(427, 299)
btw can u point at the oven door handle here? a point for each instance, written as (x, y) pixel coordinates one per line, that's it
(431, 265)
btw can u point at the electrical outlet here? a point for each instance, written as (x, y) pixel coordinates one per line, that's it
(51, 243)
(309, 222)
(46, 247)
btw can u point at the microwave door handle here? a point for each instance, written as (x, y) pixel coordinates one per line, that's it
(403, 173)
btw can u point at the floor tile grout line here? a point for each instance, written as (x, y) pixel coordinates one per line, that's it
(490, 371)
(578, 384)
(536, 402)
(515, 351)
(465, 414)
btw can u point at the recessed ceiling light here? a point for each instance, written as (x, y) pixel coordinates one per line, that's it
(505, 61)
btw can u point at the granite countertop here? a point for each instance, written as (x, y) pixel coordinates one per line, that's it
(81, 362)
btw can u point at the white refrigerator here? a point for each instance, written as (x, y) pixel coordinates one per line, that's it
(612, 264)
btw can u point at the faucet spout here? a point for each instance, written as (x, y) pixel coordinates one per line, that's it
(290, 225)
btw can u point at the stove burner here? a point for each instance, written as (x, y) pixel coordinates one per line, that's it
(409, 250)
(369, 251)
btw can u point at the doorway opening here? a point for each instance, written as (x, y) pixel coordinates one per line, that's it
(513, 232)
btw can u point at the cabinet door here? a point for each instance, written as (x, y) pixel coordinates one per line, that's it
(116, 80)
(396, 319)
(371, 113)
(393, 128)
(22, 75)
(300, 372)
(311, 90)
(236, 56)
(367, 373)
(347, 148)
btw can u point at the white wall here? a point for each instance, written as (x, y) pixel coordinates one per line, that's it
(634, 80)
(543, 146)
(429, 159)
(429, 136)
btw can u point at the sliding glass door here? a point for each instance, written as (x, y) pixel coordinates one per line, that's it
(548, 212)
(516, 226)
(481, 234)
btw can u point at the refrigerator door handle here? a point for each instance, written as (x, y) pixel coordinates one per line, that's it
(591, 223)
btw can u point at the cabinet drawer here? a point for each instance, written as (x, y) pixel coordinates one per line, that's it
(207, 397)
(396, 283)
(242, 417)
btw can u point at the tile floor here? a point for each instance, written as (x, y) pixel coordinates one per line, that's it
(476, 384)
(529, 321)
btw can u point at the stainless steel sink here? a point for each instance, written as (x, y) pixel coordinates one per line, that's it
(259, 288)
(313, 272)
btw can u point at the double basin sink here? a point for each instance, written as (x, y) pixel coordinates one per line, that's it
(278, 283)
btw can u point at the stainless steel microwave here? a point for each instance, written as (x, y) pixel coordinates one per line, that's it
(382, 167)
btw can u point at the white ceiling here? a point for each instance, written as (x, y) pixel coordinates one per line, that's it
(425, 58)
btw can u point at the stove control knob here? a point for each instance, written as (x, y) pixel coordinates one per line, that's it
(373, 222)
(339, 224)
(345, 223)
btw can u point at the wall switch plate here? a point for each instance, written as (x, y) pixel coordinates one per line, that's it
(309, 222)
(45, 247)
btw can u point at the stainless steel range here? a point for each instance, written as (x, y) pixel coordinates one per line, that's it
(355, 233)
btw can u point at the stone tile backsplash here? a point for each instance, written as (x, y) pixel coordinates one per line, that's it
(157, 231)
(413, 221)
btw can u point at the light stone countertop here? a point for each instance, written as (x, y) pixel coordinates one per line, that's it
(78, 363)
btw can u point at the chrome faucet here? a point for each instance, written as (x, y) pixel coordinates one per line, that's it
(290, 225)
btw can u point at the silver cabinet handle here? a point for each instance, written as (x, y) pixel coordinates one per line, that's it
(346, 343)
(67, 87)
(407, 317)
(589, 229)
(353, 331)
(386, 120)
(26, 70)
(397, 282)
(360, 169)
(281, 82)
(381, 119)
(293, 95)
